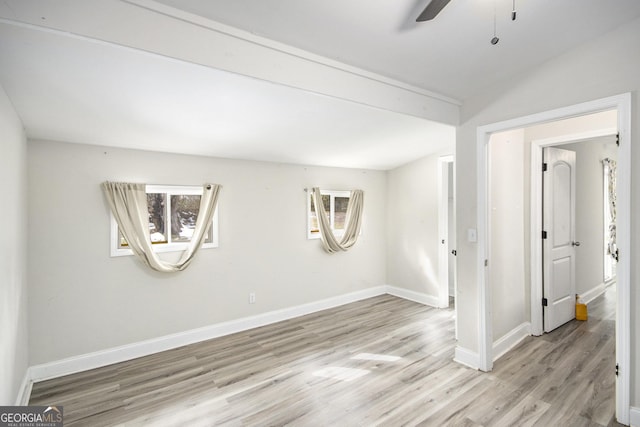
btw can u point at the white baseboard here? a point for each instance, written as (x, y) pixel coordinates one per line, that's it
(123, 353)
(510, 340)
(634, 417)
(25, 389)
(413, 296)
(467, 357)
(593, 293)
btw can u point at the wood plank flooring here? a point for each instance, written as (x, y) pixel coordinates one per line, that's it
(383, 361)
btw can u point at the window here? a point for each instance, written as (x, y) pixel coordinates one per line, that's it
(335, 205)
(173, 211)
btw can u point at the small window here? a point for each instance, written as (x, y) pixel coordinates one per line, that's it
(173, 211)
(335, 206)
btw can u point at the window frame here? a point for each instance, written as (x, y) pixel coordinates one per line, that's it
(312, 234)
(169, 190)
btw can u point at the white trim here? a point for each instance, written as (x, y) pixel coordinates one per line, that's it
(444, 242)
(593, 293)
(634, 417)
(466, 357)
(510, 340)
(536, 244)
(123, 353)
(24, 393)
(113, 355)
(621, 103)
(485, 332)
(623, 306)
(419, 297)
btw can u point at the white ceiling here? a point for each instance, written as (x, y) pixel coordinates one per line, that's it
(69, 85)
(451, 55)
(69, 89)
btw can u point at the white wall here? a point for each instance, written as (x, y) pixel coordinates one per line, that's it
(13, 255)
(604, 67)
(507, 276)
(101, 302)
(412, 226)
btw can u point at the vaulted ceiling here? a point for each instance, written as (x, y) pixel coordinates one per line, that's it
(451, 55)
(349, 84)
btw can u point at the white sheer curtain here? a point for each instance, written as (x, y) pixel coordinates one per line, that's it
(128, 203)
(610, 170)
(353, 222)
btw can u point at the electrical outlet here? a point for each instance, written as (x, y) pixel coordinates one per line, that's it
(252, 297)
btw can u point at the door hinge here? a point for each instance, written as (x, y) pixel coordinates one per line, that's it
(544, 167)
(545, 302)
(618, 139)
(617, 255)
(617, 369)
(454, 252)
(486, 262)
(544, 234)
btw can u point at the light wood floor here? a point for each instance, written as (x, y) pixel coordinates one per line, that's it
(383, 361)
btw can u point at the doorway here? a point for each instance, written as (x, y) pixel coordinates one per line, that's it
(592, 146)
(622, 105)
(446, 232)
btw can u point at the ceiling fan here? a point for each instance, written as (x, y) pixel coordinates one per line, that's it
(432, 10)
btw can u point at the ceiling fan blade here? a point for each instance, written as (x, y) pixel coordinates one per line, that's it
(432, 10)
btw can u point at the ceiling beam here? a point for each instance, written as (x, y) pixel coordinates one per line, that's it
(159, 29)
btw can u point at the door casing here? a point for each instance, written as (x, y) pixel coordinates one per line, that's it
(622, 104)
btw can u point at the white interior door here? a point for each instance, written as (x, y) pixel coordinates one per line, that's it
(559, 244)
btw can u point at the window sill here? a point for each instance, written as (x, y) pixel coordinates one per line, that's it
(173, 247)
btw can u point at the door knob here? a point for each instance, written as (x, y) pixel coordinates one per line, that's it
(575, 243)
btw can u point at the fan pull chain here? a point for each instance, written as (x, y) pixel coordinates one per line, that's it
(495, 39)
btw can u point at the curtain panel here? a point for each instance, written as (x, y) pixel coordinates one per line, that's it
(610, 170)
(353, 222)
(128, 203)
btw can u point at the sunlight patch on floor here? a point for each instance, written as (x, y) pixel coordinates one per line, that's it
(342, 374)
(376, 357)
